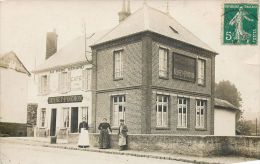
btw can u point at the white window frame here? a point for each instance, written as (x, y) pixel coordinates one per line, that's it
(118, 64)
(163, 62)
(64, 81)
(201, 71)
(182, 112)
(43, 84)
(84, 113)
(200, 113)
(86, 79)
(65, 117)
(162, 118)
(43, 117)
(117, 114)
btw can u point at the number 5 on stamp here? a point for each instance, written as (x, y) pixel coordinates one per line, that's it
(240, 23)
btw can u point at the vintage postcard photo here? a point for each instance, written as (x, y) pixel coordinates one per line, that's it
(129, 81)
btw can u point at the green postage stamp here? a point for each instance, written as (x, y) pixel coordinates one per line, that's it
(240, 23)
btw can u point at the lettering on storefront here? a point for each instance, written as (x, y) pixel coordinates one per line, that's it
(184, 68)
(65, 99)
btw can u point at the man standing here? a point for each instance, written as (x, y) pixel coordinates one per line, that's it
(122, 134)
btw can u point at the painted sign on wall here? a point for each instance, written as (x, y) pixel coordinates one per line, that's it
(65, 99)
(184, 68)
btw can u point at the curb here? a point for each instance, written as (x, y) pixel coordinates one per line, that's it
(129, 154)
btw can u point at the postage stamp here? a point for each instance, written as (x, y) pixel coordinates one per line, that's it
(240, 24)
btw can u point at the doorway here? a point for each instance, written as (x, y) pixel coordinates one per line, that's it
(74, 120)
(53, 122)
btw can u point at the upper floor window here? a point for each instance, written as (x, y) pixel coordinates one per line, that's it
(64, 82)
(86, 79)
(162, 106)
(84, 113)
(43, 84)
(66, 117)
(118, 109)
(118, 64)
(163, 63)
(182, 112)
(201, 71)
(42, 117)
(200, 113)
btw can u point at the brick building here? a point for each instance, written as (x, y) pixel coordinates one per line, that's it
(155, 74)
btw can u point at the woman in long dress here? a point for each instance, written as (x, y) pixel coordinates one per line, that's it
(83, 134)
(122, 135)
(104, 139)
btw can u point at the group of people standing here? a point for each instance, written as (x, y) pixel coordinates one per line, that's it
(104, 137)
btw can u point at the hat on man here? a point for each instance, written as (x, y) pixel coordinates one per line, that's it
(121, 120)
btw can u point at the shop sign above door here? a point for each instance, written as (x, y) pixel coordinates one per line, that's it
(65, 99)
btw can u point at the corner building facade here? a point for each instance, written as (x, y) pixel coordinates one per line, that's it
(154, 74)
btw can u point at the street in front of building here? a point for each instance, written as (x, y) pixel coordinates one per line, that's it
(27, 154)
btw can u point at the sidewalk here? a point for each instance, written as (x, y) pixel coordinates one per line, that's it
(62, 144)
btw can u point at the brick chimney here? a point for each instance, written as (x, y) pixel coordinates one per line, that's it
(51, 43)
(125, 10)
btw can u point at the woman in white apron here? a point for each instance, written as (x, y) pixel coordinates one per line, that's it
(83, 134)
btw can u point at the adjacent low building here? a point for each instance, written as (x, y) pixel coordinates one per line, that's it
(225, 118)
(13, 95)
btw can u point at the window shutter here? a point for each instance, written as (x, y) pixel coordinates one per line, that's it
(83, 79)
(68, 87)
(59, 82)
(39, 85)
(48, 84)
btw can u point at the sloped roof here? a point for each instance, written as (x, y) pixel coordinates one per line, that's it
(153, 20)
(10, 60)
(72, 53)
(225, 104)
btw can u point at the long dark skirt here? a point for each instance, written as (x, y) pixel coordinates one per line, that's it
(104, 139)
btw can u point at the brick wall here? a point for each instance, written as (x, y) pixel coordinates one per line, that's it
(187, 145)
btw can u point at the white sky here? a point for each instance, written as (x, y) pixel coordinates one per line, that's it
(24, 24)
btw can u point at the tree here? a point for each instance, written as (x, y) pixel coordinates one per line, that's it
(227, 91)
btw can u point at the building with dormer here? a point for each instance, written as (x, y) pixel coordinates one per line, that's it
(155, 74)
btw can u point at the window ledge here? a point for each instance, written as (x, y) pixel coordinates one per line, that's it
(202, 85)
(64, 128)
(182, 128)
(117, 79)
(200, 129)
(164, 78)
(162, 128)
(42, 128)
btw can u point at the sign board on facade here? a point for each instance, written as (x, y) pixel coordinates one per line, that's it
(184, 67)
(65, 99)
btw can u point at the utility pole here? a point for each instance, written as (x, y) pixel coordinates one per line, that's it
(256, 126)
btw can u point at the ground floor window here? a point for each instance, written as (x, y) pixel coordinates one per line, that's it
(42, 117)
(182, 112)
(118, 109)
(162, 105)
(200, 113)
(66, 117)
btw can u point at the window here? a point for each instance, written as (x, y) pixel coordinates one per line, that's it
(200, 113)
(118, 65)
(118, 109)
(162, 110)
(86, 82)
(182, 112)
(43, 84)
(64, 82)
(42, 117)
(84, 113)
(66, 117)
(163, 63)
(201, 71)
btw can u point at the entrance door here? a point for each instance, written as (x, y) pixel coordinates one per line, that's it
(53, 122)
(74, 120)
